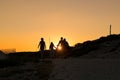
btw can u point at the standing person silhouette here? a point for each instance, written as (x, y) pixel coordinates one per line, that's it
(52, 52)
(60, 42)
(42, 47)
(66, 44)
(66, 47)
(60, 48)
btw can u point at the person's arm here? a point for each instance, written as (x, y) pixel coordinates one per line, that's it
(54, 46)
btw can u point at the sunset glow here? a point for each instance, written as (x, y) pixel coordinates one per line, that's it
(59, 48)
(24, 22)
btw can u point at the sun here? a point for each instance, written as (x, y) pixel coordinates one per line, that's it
(59, 47)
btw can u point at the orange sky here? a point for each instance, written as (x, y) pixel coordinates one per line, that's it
(24, 22)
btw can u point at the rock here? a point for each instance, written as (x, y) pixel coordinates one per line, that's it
(2, 55)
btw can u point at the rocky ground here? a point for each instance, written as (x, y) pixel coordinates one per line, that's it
(64, 69)
(86, 69)
(39, 70)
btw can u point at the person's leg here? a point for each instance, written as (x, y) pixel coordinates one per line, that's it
(51, 53)
(42, 52)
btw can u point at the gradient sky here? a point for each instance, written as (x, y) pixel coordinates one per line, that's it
(24, 22)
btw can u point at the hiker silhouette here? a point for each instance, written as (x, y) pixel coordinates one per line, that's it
(52, 51)
(42, 47)
(65, 45)
(60, 43)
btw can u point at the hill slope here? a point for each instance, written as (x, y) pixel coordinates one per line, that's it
(104, 47)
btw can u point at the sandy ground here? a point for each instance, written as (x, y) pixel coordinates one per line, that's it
(86, 69)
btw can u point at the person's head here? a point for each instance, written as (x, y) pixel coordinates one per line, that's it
(64, 39)
(42, 39)
(61, 38)
(51, 42)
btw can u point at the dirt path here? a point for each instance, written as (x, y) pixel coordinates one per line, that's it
(86, 69)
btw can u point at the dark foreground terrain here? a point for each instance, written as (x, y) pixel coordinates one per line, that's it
(25, 66)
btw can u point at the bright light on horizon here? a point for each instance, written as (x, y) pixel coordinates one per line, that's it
(59, 47)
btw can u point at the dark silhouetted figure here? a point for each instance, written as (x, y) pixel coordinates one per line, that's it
(59, 48)
(65, 44)
(60, 42)
(52, 51)
(42, 47)
(66, 47)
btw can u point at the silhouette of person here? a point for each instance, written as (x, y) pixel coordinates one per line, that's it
(52, 52)
(42, 47)
(65, 45)
(60, 42)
